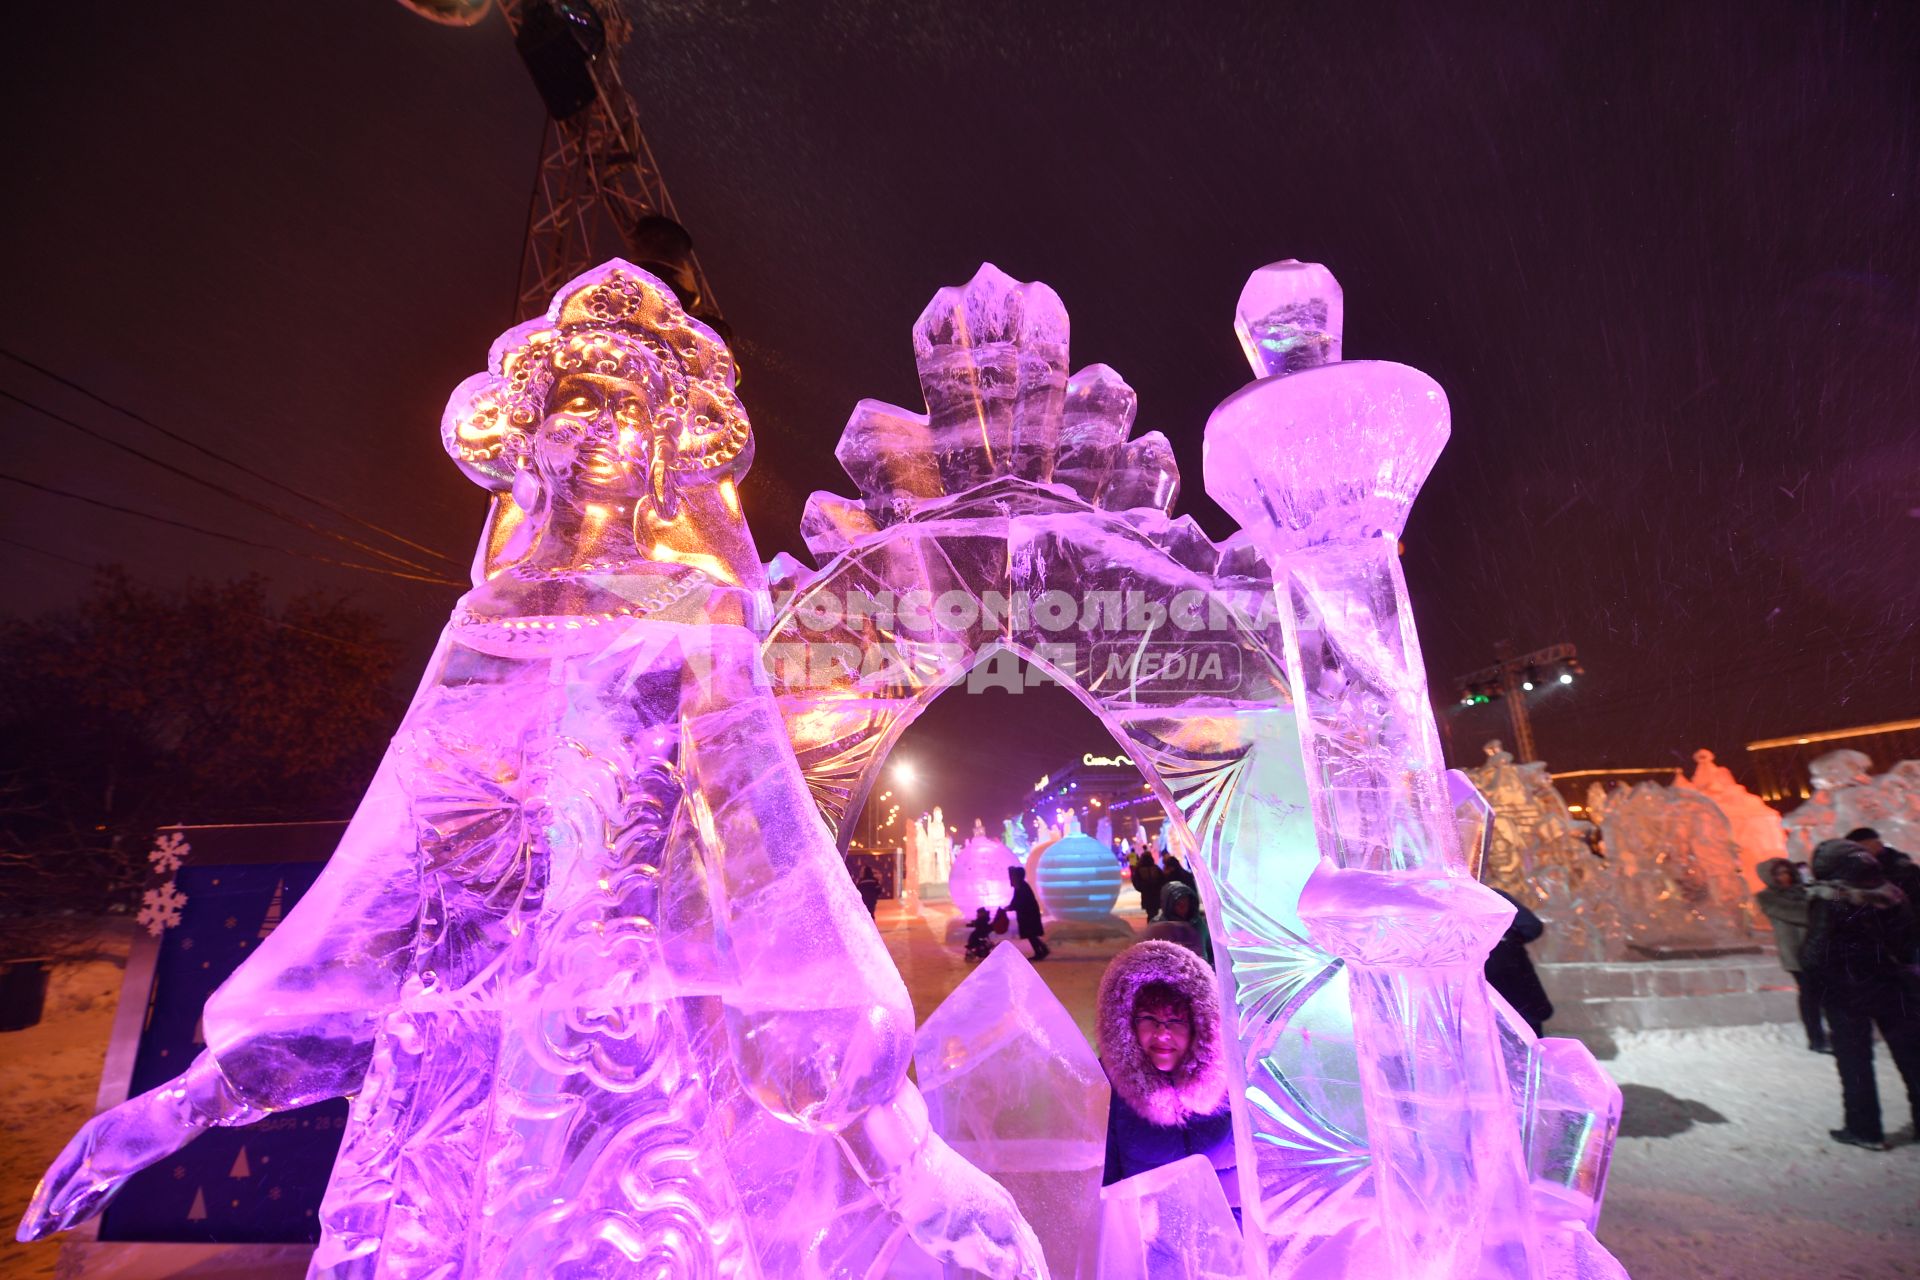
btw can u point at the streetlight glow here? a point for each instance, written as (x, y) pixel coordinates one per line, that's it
(903, 773)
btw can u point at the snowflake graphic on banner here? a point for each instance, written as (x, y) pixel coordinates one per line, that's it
(168, 852)
(162, 909)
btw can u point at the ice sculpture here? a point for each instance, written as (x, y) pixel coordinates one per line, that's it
(1535, 839)
(930, 852)
(1846, 796)
(1076, 876)
(1016, 838)
(1753, 823)
(1170, 1223)
(587, 958)
(1319, 460)
(1013, 1086)
(1674, 871)
(979, 875)
(1019, 512)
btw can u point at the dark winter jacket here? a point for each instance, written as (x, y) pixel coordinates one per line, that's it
(1901, 869)
(1025, 907)
(1175, 870)
(1149, 881)
(1860, 928)
(1188, 929)
(1510, 970)
(1158, 1118)
(1786, 911)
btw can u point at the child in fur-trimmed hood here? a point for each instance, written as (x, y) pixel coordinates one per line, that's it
(1162, 1046)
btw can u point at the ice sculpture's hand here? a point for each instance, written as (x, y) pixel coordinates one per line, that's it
(116, 1144)
(109, 1149)
(954, 1212)
(961, 1216)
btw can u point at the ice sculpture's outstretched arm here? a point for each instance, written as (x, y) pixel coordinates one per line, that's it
(820, 1022)
(292, 1026)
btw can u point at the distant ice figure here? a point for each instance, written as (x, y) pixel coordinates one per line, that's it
(587, 958)
(1846, 795)
(1755, 826)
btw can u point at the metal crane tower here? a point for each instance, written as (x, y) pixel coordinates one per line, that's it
(597, 192)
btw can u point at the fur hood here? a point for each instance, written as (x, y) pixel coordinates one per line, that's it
(1198, 1086)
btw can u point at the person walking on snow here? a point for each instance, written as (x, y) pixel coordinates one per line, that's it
(1026, 913)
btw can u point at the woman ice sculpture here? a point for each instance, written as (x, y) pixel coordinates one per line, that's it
(587, 957)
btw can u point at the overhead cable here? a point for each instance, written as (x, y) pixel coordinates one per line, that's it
(241, 467)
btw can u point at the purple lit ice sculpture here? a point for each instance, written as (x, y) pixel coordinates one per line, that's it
(1320, 460)
(587, 959)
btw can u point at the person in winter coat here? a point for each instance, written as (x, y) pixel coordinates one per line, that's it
(1164, 1052)
(1148, 880)
(1182, 921)
(1026, 913)
(1860, 941)
(1784, 902)
(869, 886)
(1897, 866)
(1509, 969)
(1174, 869)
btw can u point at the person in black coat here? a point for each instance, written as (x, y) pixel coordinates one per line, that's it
(1860, 941)
(869, 886)
(1165, 1054)
(1898, 867)
(1148, 880)
(1176, 871)
(1510, 970)
(1026, 913)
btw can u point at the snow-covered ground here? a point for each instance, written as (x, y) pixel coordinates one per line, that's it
(1748, 1185)
(1744, 1184)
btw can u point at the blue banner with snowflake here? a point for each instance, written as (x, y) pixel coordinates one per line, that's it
(258, 1184)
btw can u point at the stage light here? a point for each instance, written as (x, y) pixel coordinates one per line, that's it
(1566, 677)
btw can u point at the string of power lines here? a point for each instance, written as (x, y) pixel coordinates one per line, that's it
(392, 554)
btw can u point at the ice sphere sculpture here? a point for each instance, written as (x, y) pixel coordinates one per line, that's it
(587, 958)
(1077, 877)
(979, 875)
(1170, 1223)
(1013, 1086)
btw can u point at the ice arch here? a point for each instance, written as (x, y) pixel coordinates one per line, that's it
(1017, 515)
(1020, 514)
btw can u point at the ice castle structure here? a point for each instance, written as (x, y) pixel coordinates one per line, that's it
(590, 965)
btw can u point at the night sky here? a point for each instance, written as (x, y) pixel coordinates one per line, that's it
(1664, 259)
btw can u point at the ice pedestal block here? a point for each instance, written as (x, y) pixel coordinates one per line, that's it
(1170, 1223)
(1013, 1086)
(1572, 1121)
